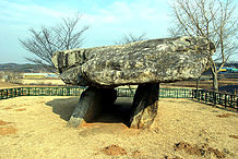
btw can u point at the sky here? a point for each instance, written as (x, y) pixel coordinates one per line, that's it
(108, 20)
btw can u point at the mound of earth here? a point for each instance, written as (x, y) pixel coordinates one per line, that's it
(198, 150)
(114, 150)
(225, 115)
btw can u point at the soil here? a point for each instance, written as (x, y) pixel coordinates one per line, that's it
(40, 131)
(7, 130)
(226, 115)
(198, 150)
(3, 122)
(114, 150)
(234, 136)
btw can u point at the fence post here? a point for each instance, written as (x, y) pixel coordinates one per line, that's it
(214, 98)
(237, 103)
(225, 100)
(68, 91)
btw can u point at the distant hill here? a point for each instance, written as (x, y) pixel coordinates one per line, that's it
(14, 67)
(230, 64)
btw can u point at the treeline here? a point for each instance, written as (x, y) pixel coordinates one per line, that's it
(230, 64)
(14, 67)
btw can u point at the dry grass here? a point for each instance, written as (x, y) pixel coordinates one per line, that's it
(41, 132)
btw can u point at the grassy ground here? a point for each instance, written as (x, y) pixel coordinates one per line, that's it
(35, 127)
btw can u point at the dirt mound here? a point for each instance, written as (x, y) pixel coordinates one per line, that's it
(225, 115)
(234, 136)
(7, 130)
(167, 157)
(136, 153)
(3, 122)
(114, 150)
(198, 150)
(7, 108)
(21, 109)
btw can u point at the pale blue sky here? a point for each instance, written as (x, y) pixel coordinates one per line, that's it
(109, 20)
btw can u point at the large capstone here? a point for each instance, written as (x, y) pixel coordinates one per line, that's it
(143, 63)
(150, 61)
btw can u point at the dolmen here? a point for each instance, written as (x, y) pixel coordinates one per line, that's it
(143, 63)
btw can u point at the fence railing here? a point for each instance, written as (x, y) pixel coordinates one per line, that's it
(216, 99)
(207, 97)
(175, 93)
(76, 91)
(9, 93)
(52, 91)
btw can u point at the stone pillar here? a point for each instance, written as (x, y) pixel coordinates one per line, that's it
(144, 107)
(90, 104)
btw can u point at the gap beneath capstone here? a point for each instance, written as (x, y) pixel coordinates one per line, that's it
(98, 105)
(119, 112)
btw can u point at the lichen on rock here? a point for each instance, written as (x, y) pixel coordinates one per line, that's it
(150, 61)
(144, 63)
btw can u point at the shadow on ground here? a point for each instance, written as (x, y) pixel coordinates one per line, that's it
(117, 113)
(63, 106)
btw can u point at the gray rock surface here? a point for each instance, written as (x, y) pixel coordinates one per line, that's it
(90, 105)
(144, 107)
(150, 61)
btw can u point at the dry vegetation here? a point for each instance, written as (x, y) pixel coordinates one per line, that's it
(5, 85)
(183, 129)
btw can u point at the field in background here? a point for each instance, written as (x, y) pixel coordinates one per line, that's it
(228, 83)
(4, 85)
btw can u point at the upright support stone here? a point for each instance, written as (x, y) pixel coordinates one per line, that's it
(144, 107)
(90, 105)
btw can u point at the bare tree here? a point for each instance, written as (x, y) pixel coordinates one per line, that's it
(214, 19)
(47, 40)
(126, 39)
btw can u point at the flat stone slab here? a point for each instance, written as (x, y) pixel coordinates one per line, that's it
(150, 61)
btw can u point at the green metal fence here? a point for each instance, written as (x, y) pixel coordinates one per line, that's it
(125, 92)
(11, 92)
(207, 97)
(216, 99)
(52, 91)
(76, 91)
(164, 92)
(175, 93)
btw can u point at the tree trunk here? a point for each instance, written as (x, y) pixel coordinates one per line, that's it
(144, 107)
(198, 82)
(215, 81)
